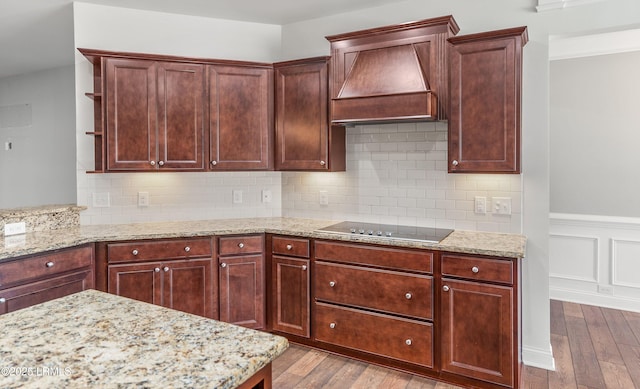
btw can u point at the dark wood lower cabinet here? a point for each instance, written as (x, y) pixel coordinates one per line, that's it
(291, 304)
(242, 297)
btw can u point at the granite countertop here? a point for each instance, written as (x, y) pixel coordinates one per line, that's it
(471, 242)
(97, 339)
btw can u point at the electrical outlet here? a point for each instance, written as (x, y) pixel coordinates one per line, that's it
(324, 197)
(237, 196)
(14, 228)
(605, 289)
(101, 200)
(480, 205)
(143, 199)
(502, 205)
(266, 196)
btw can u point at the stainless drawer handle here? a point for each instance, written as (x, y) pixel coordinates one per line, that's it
(322, 163)
(214, 163)
(454, 163)
(304, 267)
(332, 283)
(475, 269)
(153, 163)
(161, 163)
(445, 288)
(49, 264)
(408, 342)
(134, 252)
(289, 246)
(157, 269)
(166, 268)
(241, 245)
(408, 296)
(187, 249)
(223, 264)
(3, 300)
(332, 325)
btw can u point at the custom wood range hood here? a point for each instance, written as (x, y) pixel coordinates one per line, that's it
(391, 74)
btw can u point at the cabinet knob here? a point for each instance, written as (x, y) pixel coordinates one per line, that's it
(153, 163)
(408, 342)
(166, 268)
(49, 264)
(289, 246)
(134, 252)
(332, 283)
(187, 249)
(214, 163)
(332, 325)
(3, 300)
(223, 264)
(408, 296)
(445, 288)
(161, 163)
(304, 267)
(454, 162)
(322, 163)
(475, 269)
(241, 245)
(157, 269)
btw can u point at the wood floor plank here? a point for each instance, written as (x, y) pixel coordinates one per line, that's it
(370, 378)
(619, 326)
(286, 380)
(284, 361)
(395, 380)
(601, 337)
(585, 363)
(323, 372)
(421, 383)
(535, 378)
(563, 376)
(307, 362)
(633, 319)
(347, 375)
(616, 376)
(558, 326)
(631, 356)
(572, 309)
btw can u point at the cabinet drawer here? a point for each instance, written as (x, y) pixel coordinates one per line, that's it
(475, 268)
(290, 246)
(384, 290)
(40, 266)
(159, 250)
(230, 245)
(383, 335)
(413, 260)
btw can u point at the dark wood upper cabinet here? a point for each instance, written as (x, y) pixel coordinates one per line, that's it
(304, 138)
(240, 117)
(485, 108)
(391, 74)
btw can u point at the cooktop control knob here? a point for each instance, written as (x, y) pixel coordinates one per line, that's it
(379, 233)
(361, 231)
(388, 234)
(370, 232)
(353, 230)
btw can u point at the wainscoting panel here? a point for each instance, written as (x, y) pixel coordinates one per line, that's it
(595, 260)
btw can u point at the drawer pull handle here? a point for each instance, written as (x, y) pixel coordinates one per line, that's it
(214, 163)
(157, 269)
(2, 300)
(166, 268)
(187, 249)
(289, 246)
(408, 296)
(152, 163)
(49, 264)
(475, 269)
(332, 325)
(322, 163)
(223, 264)
(332, 283)
(161, 163)
(134, 252)
(241, 245)
(304, 267)
(445, 288)
(408, 342)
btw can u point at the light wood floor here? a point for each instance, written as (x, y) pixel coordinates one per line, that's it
(593, 347)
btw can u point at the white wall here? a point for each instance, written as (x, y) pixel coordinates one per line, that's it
(173, 196)
(40, 167)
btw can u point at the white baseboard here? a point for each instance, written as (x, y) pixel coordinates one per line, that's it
(535, 357)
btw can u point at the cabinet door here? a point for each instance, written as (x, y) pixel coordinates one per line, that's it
(180, 116)
(141, 282)
(485, 89)
(188, 287)
(240, 119)
(477, 330)
(242, 290)
(290, 295)
(302, 123)
(131, 114)
(34, 293)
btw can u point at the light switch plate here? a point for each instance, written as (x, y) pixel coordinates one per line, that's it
(324, 197)
(101, 200)
(143, 199)
(237, 196)
(266, 196)
(480, 207)
(501, 205)
(14, 228)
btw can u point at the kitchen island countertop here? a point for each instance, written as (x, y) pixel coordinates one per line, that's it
(470, 242)
(97, 339)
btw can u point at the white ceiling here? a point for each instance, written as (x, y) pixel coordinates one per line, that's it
(38, 34)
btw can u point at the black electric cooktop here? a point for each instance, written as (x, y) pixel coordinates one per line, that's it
(391, 231)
